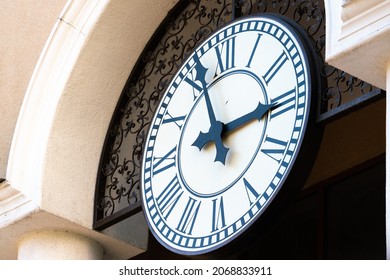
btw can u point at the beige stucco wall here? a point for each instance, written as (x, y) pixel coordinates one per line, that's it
(25, 26)
(56, 145)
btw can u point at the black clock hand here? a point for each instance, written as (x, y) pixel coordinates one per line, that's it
(257, 113)
(214, 133)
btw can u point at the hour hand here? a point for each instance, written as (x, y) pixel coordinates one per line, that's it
(257, 113)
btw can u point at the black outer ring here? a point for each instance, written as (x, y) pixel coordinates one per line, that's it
(302, 165)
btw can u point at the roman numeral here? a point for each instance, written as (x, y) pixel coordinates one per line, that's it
(218, 215)
(196, 88)
(276, 150)
(169, 197)
(163, 163)
(275, 67)
(250, 192)
(176, 120)
(254, 50)
(285, 102)
(187, 221)
(225, 55)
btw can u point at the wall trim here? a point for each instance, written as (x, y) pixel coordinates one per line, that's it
(353, 32)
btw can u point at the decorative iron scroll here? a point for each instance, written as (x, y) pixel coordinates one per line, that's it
(119, 176)
(190, 22)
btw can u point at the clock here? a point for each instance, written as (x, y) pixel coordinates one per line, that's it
(229, 136)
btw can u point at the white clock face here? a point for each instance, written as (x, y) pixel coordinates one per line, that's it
(226, 135)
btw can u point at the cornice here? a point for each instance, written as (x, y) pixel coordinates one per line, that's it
(353, 8)
(358, 34)
(14, 205)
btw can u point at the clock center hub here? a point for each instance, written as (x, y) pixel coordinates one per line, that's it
(232, 95)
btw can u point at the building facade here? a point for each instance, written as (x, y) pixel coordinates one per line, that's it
(65, 67)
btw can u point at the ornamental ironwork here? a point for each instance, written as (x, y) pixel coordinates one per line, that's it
(188, 24)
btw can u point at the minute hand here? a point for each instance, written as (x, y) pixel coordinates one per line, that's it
(215, 130)
(257, 113)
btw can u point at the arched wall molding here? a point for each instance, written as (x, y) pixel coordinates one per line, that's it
(67, 109)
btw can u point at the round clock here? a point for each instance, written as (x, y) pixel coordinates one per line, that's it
(227, 134)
